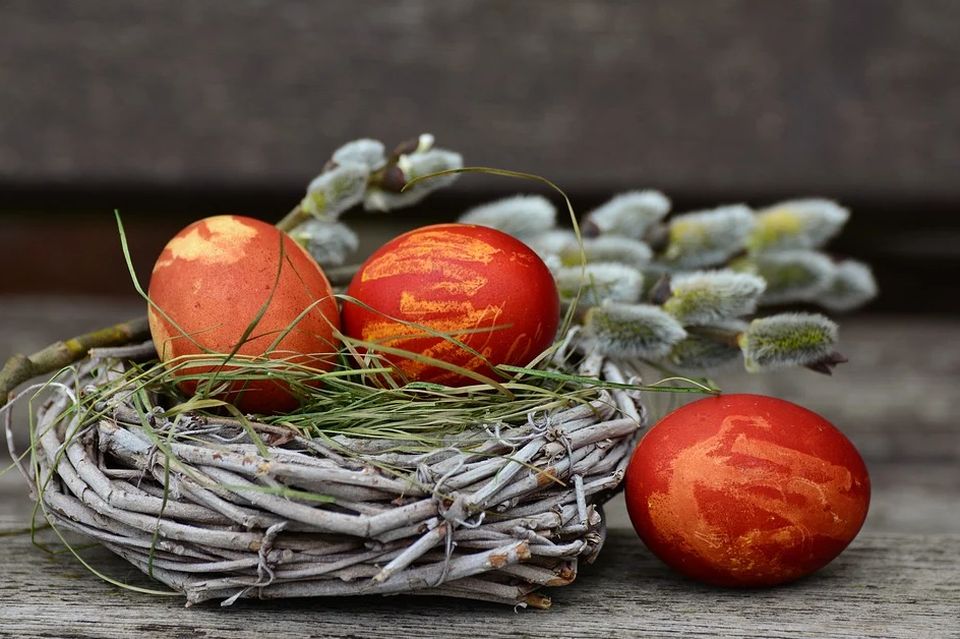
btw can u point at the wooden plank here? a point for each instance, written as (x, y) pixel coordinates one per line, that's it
(882, 586)
(733, 97)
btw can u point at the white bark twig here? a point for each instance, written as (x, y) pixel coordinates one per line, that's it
(501, 511)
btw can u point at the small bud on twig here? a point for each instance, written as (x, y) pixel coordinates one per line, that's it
(661, 291)
(414, 165)
(391, 179)
(826, 365)
(407, 147)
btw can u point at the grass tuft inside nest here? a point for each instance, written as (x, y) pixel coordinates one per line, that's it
(367, 402)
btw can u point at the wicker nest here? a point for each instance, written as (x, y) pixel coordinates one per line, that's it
(494, 515)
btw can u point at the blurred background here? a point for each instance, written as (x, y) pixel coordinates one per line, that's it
(169, 112)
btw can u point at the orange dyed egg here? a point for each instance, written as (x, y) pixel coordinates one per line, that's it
(479, 285)
(211, 281)
(746, 490)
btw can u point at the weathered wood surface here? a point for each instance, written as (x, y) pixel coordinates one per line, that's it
(736, 97)
(883, 586)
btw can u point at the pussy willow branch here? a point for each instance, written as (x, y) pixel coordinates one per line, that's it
(22, 368)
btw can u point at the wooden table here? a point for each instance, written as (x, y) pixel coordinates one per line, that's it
(884, 585)
(900, 577)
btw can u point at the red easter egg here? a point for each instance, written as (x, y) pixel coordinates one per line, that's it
(746, 490)
(451, 278)
(211, 281)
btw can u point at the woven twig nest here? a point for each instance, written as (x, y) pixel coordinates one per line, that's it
(495, 514)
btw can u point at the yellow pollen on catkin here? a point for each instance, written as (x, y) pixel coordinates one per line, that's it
(225, 244)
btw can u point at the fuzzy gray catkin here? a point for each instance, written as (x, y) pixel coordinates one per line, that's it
(704, 297)
(330, 243)
(609, 249)
(333, 192)
(600, 282)
(629, 214)
(522, 216)
(791, 276)
(788, 339)
(797, 224)
(707, 238)
(366, 152)
(852, 285)
(765, 257)
(632, 330)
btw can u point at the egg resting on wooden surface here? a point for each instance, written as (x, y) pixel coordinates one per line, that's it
(213, 278)
(746, 490)
(452, 278)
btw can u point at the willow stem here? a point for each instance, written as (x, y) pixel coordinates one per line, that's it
(21, 368)
(293, 219)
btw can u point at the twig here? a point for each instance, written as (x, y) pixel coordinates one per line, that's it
(493, 516)
(21, 368)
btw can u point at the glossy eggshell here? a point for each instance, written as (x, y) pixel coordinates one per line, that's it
(452, 277)
(211, 281)
(746, 490)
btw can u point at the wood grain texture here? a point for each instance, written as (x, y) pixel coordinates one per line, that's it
(739, 96)
(882, 586)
